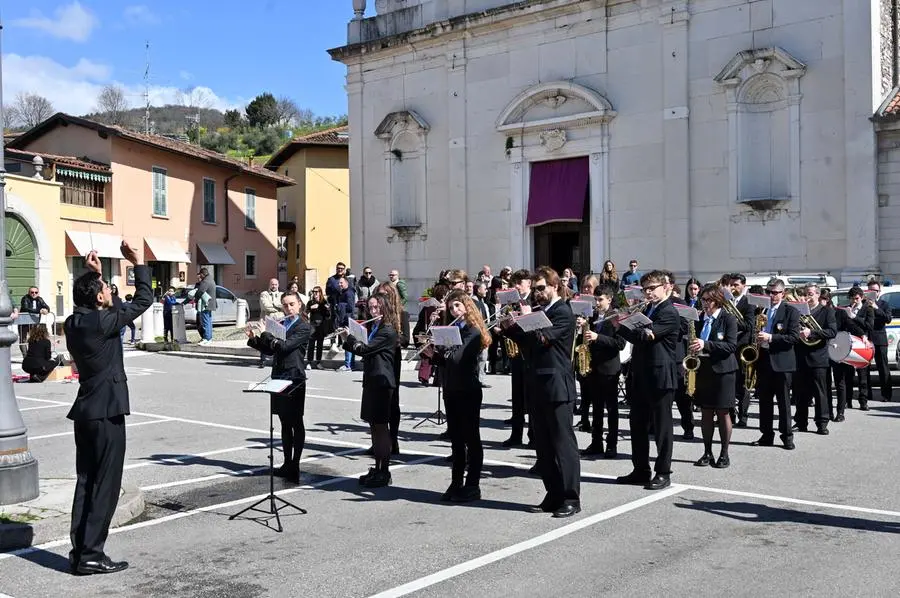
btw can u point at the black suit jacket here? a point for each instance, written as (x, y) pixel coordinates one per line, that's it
(290, 354)
(785, 334)
(847, 324)
(817, 357)
(883, 316)
(865, 320)
(654, 360)
(745, 328)
(92, 337)
(461, 363)
(548, 355)
(605, 350)
(32, 305)
(378, 357)
(683, 328)
(721, 345)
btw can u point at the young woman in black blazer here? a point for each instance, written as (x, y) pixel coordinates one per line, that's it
(401, 317)
(288, 364)
(319, 316)
(378, 384)
(38, 361)
(717, 333)
(463, 396)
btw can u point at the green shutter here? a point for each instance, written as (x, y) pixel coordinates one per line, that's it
(159, 192)
(250, 208)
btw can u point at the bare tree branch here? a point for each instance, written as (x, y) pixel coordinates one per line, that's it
(31, 109)
(112, 105)
(286, 112)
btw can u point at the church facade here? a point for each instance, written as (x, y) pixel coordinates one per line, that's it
(703, 136)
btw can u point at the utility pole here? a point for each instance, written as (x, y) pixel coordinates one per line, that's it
(147, 124)
(18, 468)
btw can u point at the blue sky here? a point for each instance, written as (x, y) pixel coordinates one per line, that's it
(67, 50)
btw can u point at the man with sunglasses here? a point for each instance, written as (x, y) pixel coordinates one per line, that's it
(682, 400)
(812, 363)
(32, 303)
(879, 339)
(654, 360)
(776, 365)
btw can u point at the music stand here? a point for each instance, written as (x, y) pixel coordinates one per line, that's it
(275, 503)
(438, 418)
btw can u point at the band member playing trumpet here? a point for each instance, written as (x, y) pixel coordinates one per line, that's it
(863, 315)
(551, 379)
(682, 400)
(844, 373)
(883, 317)
(603, 380)
(521, 281)
(776, 365)
(288, 364)
(816, 330)
(715, 344)
(463, 396)
(655, 381)
(738, 284)
(378, 384)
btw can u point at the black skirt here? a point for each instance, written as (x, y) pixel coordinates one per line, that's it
(376, 405)
(291, 403)
(715, 391)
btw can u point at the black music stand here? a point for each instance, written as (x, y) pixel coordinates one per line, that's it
(438, 418)
(275, 503)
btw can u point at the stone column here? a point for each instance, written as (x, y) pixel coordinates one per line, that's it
(457, 155)
(518, 235)
(356, 162)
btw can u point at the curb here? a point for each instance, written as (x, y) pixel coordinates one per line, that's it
(23, 535)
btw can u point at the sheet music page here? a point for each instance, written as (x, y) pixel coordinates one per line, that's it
(358, 331)
(428, 302)
(508, 297)
(758, 300)
(446, 336)
(687, 312)
(275, 328)
(871, 295)
(268, 385)
(533, 321)
(635, 321)
(582, 308)
(802, 307)
(634, 293)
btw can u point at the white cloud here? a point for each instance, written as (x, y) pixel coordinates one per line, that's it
(140, 14)
(71, 21)
(74, 89)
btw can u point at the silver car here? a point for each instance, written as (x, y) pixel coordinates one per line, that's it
(226, 306)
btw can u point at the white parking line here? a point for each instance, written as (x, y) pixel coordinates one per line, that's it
(23, 409)
(42, 400)
(71, 433)
(498, 555)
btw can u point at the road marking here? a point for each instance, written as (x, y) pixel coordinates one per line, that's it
(498, 555)
(243, 472)
(258, 381)
(224, 505)
(70, 433)
(42, 400)
(24, 409)
(180, 459)
(334, 398)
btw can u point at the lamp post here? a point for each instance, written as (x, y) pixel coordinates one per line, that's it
(18, 469)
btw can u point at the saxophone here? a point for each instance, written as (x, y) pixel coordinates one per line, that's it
(750, 353)
(583, 353)
(512, 349)
(691, 363)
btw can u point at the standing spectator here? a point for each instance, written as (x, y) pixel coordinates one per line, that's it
(505, 273)
(479, 298)
(365, 288)
(168, 302)
(205, 296)
(317, 308)
(609, 276)
(632, 276)
(332, 285)
(343, 311)
(130, 325)
(270, 307)
(485, 274)
(401, 286)
(32, 303)
(570, 281)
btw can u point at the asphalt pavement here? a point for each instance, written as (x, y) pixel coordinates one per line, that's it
(821, 520)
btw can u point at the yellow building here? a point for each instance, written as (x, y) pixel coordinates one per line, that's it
(314, 214)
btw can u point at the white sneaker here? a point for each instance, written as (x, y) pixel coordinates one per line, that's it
(343, 368)
(308, 367)
(203, 342)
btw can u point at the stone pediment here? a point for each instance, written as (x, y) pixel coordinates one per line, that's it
(551, 105)
(748, 63)
(402, 120)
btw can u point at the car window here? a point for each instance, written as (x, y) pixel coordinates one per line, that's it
(223, 293)
(840, 298)
(893, 301)
(184, 292)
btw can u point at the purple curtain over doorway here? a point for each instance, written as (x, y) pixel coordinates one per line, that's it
(558, 190)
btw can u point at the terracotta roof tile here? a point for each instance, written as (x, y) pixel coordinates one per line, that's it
(337, 137)
(70, 161)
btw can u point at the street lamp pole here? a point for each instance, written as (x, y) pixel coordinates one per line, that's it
(18, 468)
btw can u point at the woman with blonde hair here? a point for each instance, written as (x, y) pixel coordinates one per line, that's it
(463, 396)
(402, 318)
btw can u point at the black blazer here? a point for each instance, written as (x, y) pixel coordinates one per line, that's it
(548, 355)
(785, 334)
(605, 350)
(817, 357)
(378, 357)
(847, 324)
(290, 354)
(721, 345)
(683, 327)
(92, 337)
(745, 328)
(29, 305)
(865, 320)
(461, 363)
(883, 316)
(37, 357)
(654, 361)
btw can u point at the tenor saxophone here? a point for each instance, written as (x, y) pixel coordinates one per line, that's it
(691, 363)
(749, 354)
(583, 353)
(512, 349)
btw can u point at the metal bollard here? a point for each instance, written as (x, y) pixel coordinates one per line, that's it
(147, 331)
(241, 319)
(178, 326)
(158, 324)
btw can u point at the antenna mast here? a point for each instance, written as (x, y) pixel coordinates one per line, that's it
(147, 90)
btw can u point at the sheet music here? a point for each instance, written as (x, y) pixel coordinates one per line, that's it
(269, 385)
(428, 302)
(533, 321)
(728, 294)
(275, 328)
(758, 300)
(802, 307)
(687, 312)
(358, 331)
(446, 336)
(508, 297)
(634, 293)
(582, 308)
(871, 295)
(635, 321)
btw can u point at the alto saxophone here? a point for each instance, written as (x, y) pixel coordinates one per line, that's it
(512, 349)
(583, 353)
(691, 363)
(749, 354)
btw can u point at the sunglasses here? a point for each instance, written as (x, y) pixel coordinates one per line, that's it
(539, 287)
(771, 292)
(367, 273)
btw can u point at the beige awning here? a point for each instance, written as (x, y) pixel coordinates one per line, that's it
(81, 243)
(165, 250)
(214, 254)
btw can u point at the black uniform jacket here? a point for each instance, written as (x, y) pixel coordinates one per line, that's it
(817, 357)
(289, 355)
(719, 349)
(883, 316)
(378, 356)
(654, 360)
(785, 334)
(605, 350)
(461, 363)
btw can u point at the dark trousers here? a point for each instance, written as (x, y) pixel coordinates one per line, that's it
(741, 394)
(683, 402)
(464, 424)
(864, 383)
(587, 394)
(168, 328)
(99, 457)
(289, 409)
(394, 423)
(316, 342)
(829, 394)
(772, 387)
(518, 397)
(844, 376)
(558, 459)
(651, 406)
(884, 373)
(809, 383)
(604, 396)
(497, 360)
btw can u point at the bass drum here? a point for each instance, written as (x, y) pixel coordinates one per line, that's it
(851, 350)
(625, 354)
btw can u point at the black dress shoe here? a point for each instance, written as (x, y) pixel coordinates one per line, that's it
(282, 472)
(635, 477)
(741, 423)
(789, 444)
(611, 452)
(567, 510)
(658, 482)
(448, 495)
(839, 418)
(822, 431)
(483, 385)
(467, 494)
(104, 565)
(379, 479)
(370, 451)
(592, 449)
(395, 448)
(365, 477)
(545, 507)
(863, 406)
(688, 435)
(763, 441)
(512, 441)
(798, 428)
(722, 462)
(704, 461)
(584, 427)
(534, 470)
(444, 436)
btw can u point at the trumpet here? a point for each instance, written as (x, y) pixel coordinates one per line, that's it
(749, 354)
(808, 321)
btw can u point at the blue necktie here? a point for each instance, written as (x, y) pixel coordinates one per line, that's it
(707, 327)
(372, 334)
(772, 312)
(651, 310)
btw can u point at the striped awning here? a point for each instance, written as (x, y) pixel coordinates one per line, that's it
(97, 177)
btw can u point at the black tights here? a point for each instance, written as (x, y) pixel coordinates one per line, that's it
(293, 435)
(707, 425)
(464, 425)
(381, 442)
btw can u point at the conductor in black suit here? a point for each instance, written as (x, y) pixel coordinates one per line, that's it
(655, 382)
(777, 364)
(738, 284)
(878, 336)
(92, 337)
(550, 378)
(812, 363)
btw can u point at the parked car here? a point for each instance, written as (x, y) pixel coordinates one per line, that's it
(226, 306)
(892, 296)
